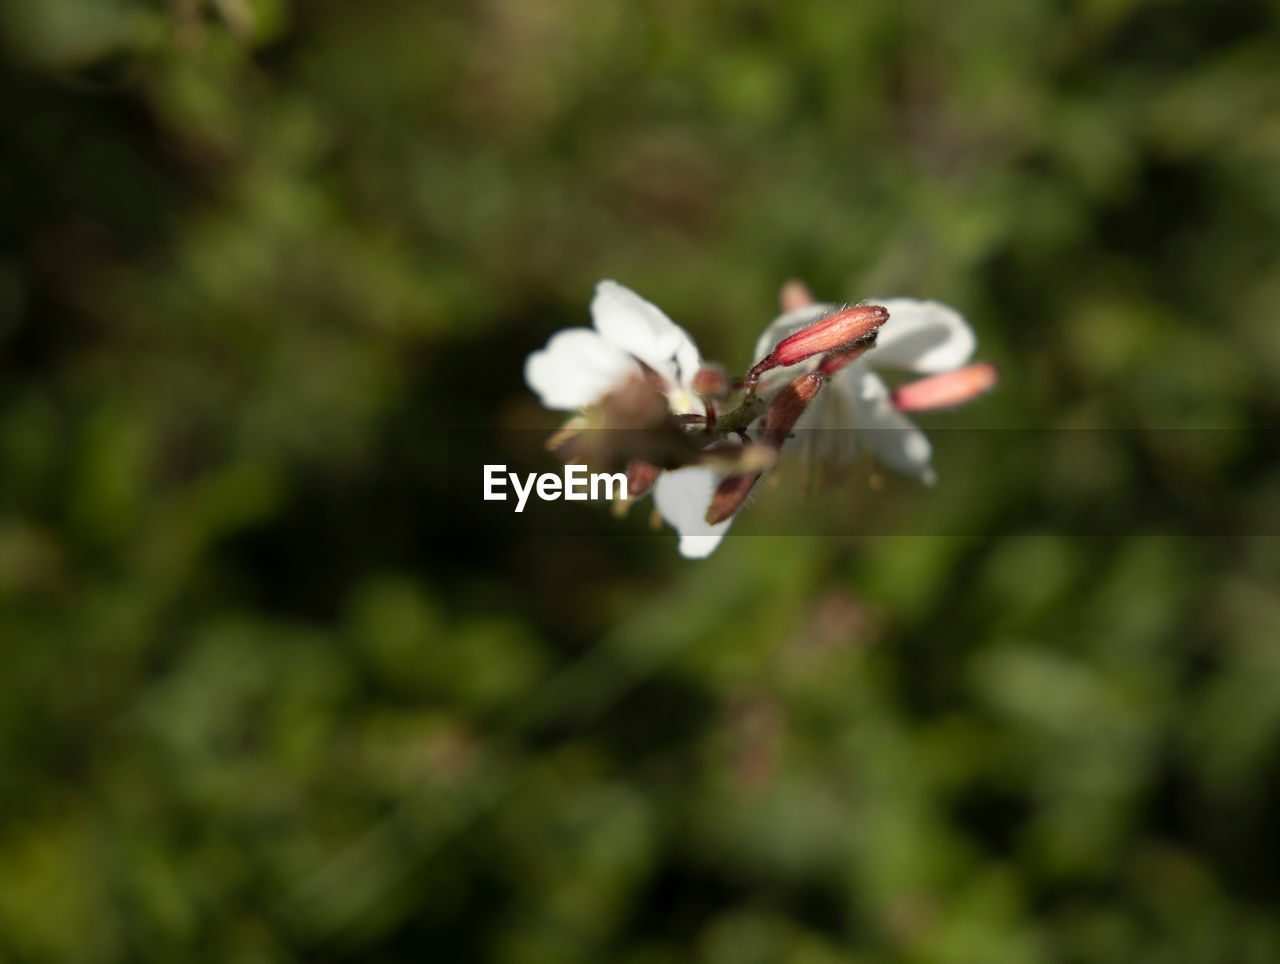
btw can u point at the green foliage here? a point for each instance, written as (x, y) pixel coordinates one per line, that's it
(268, 694)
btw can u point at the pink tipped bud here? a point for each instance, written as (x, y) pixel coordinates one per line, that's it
(640, 476)
(789, 405)
(837, 330)
(835, 361)
(710, 382)
(829, 333)
(947, 389)
(795, 294)
(729, 496)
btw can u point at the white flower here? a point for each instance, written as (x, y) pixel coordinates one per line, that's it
(581, 365)
(682, 497)
(924, 337)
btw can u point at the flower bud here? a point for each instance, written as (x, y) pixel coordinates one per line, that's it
(729, 496)
(640, 477)
(710, 382)
(795, 294)
(781, 418)
(827, 334)
(947, 389)
(836, 360)
(836, 330)
(789, 405)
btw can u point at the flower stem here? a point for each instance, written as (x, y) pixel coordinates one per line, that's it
(740, 418)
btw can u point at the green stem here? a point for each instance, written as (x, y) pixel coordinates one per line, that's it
(739, 419)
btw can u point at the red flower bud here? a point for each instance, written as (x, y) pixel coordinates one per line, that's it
(829, 333)
(836, 330)
(710, 381)
(729, 496)
(640, 476)
(947, 389)
(835, 361)
(781, 418)
(789, 405)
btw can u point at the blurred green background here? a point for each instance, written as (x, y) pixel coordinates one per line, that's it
(266, 696)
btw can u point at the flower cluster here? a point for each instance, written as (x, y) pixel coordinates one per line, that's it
(640, 376)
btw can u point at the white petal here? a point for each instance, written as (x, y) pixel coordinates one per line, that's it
(577, 367)
(891, 436)
(921, 336)
(682, 498)
(699, 547)
(642, 329)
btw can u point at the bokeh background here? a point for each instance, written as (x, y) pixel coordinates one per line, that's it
(267, 696)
